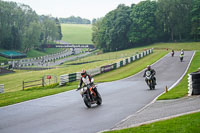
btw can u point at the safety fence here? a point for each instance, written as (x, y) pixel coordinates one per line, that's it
(76, 76)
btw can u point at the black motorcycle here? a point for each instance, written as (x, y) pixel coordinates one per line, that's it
(90, 95)
(150, 81)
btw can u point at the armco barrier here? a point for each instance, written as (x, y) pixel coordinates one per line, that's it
(76, 76)
(94, 71)
(72, 77)
(106, 68)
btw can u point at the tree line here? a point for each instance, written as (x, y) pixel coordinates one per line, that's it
(148, 22)
(22, 29)
(74, 20)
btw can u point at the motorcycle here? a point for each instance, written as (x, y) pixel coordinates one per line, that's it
(181, 57)
(90, 95)
(172, 53)
(149, 80)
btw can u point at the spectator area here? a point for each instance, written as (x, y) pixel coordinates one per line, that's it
(12, 54)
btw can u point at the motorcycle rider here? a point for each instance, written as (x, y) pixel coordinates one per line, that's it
(87, 80)
(153, 73)
(181, 55)
(182, 52)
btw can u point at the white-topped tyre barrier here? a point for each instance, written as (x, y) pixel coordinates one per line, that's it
(1, 88)
(194, 83)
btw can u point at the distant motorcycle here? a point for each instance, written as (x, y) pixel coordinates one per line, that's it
(172, 53)
(150, 80)
(90, 95)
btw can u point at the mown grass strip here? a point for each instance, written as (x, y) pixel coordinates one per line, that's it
(182, 88)
(183, 124)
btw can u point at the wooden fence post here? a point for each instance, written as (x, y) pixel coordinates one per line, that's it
(23, 85)
(43, 81)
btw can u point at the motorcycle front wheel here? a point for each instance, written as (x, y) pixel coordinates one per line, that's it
(99, 99)
(86, 101)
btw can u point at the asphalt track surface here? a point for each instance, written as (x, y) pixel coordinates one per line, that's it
(66, 112)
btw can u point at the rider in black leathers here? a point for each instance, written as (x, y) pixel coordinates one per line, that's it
(153, 73)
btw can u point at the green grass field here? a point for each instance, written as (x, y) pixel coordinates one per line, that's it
(183, 124)
(77, 33)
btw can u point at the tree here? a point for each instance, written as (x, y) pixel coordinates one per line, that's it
(174, 16)
(32, 36)
(74, 20)
(49, 29)
(195, 13)
(59, 29)
(143, 28)
(110, 33)
(22, 29)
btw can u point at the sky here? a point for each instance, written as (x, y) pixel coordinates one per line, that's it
(88, 9)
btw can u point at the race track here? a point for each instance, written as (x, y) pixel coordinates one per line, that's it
(66, 112)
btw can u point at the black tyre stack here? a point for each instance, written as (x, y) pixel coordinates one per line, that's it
(195, 83)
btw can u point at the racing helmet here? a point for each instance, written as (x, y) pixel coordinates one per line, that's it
(148, 67)
(83, 73)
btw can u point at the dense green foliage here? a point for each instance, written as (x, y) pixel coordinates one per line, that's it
(74, 20)
(22, 29)
(110, 33)
(148, 22)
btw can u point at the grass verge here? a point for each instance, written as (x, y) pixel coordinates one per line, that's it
(183, 124)
(33, 93)
(182, 88)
